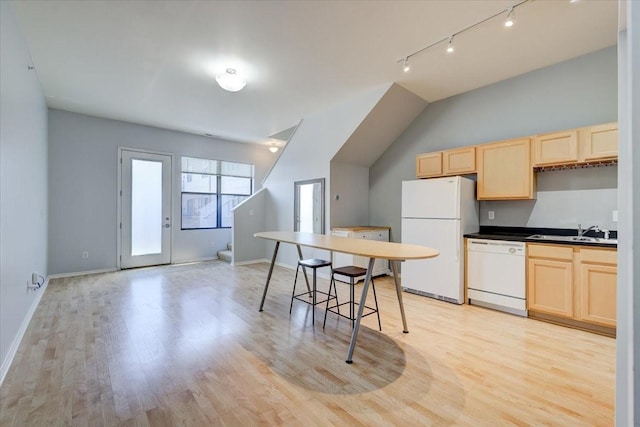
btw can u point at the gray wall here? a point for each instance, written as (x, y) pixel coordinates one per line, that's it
(23, 185)
(575, 93)
(83, 152)
(564, 199)
(349, 195)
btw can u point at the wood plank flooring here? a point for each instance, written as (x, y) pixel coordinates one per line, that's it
(186, 346)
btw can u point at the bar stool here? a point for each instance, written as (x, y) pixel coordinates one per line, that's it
(351, 272)
(315, 264)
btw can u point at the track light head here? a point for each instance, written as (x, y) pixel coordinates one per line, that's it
(405, 65)
(450, 47)
(510, 18)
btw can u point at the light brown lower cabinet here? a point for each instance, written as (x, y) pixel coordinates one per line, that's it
(574, 283)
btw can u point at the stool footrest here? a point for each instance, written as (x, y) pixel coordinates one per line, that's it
(325, 295)
(333, 309)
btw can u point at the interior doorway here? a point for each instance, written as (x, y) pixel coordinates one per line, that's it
(308, 215)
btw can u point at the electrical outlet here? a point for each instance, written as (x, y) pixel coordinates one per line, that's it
(492, 215)
(615, 216)
(34, 278)
(85, 255)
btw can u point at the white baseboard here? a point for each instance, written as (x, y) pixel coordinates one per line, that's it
(194, 260)
(82, 273)
(6, 363)
(253, 261)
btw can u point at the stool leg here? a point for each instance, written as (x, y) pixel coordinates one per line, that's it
(352, 301)
(375, 298)
(294, 290)
(326, 310)
(313, 313)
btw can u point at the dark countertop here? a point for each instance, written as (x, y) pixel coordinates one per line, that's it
(521, 234)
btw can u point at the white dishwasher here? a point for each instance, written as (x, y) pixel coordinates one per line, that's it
(496, 275)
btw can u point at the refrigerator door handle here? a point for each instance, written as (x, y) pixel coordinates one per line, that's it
(457, 243)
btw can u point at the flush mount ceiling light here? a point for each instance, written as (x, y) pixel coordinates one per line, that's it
(273, 147)
(231, 80)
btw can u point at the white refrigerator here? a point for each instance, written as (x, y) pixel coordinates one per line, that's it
(437, 213)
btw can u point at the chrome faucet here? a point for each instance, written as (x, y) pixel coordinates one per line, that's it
(582, 232)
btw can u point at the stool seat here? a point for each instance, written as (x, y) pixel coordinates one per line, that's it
(315, 263)
(350, 271)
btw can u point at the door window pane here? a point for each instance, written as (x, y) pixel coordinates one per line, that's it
(146, 207)
(199, 210)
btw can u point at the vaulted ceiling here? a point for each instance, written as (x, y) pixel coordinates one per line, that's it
(154, 62)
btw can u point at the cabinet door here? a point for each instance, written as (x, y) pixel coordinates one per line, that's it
(599, 142)
(505, 171)
(381, 266)
(459, 162)
(550, 287)
(429, 165)
(555, 148)
(598, 293)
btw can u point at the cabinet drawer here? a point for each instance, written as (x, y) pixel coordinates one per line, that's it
(550, 251)
(599, 256)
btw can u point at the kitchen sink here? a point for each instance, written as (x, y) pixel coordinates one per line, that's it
(583, 239)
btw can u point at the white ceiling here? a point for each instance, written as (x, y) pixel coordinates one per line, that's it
(154, 62)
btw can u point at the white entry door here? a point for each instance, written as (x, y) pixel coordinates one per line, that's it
(146, 209)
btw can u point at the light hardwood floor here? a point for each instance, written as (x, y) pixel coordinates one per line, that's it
(186, 345)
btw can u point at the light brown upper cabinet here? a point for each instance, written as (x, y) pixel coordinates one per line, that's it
(584, 145)
(599, 142)
(460, 161)
(504, 170)
(555, 148)
(429, 165)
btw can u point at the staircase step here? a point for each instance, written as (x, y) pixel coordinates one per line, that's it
(225, 256)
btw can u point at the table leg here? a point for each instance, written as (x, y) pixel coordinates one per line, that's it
(394, 268)
(304, 271)
(266, 285)
(363, 300)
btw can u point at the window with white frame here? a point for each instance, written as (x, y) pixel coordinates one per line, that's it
(211, 189)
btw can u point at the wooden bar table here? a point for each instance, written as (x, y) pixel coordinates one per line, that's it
(394, 252)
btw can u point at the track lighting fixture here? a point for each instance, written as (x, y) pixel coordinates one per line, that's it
(405, 66)
(510, 11)
(510, 18)
(450, 47)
